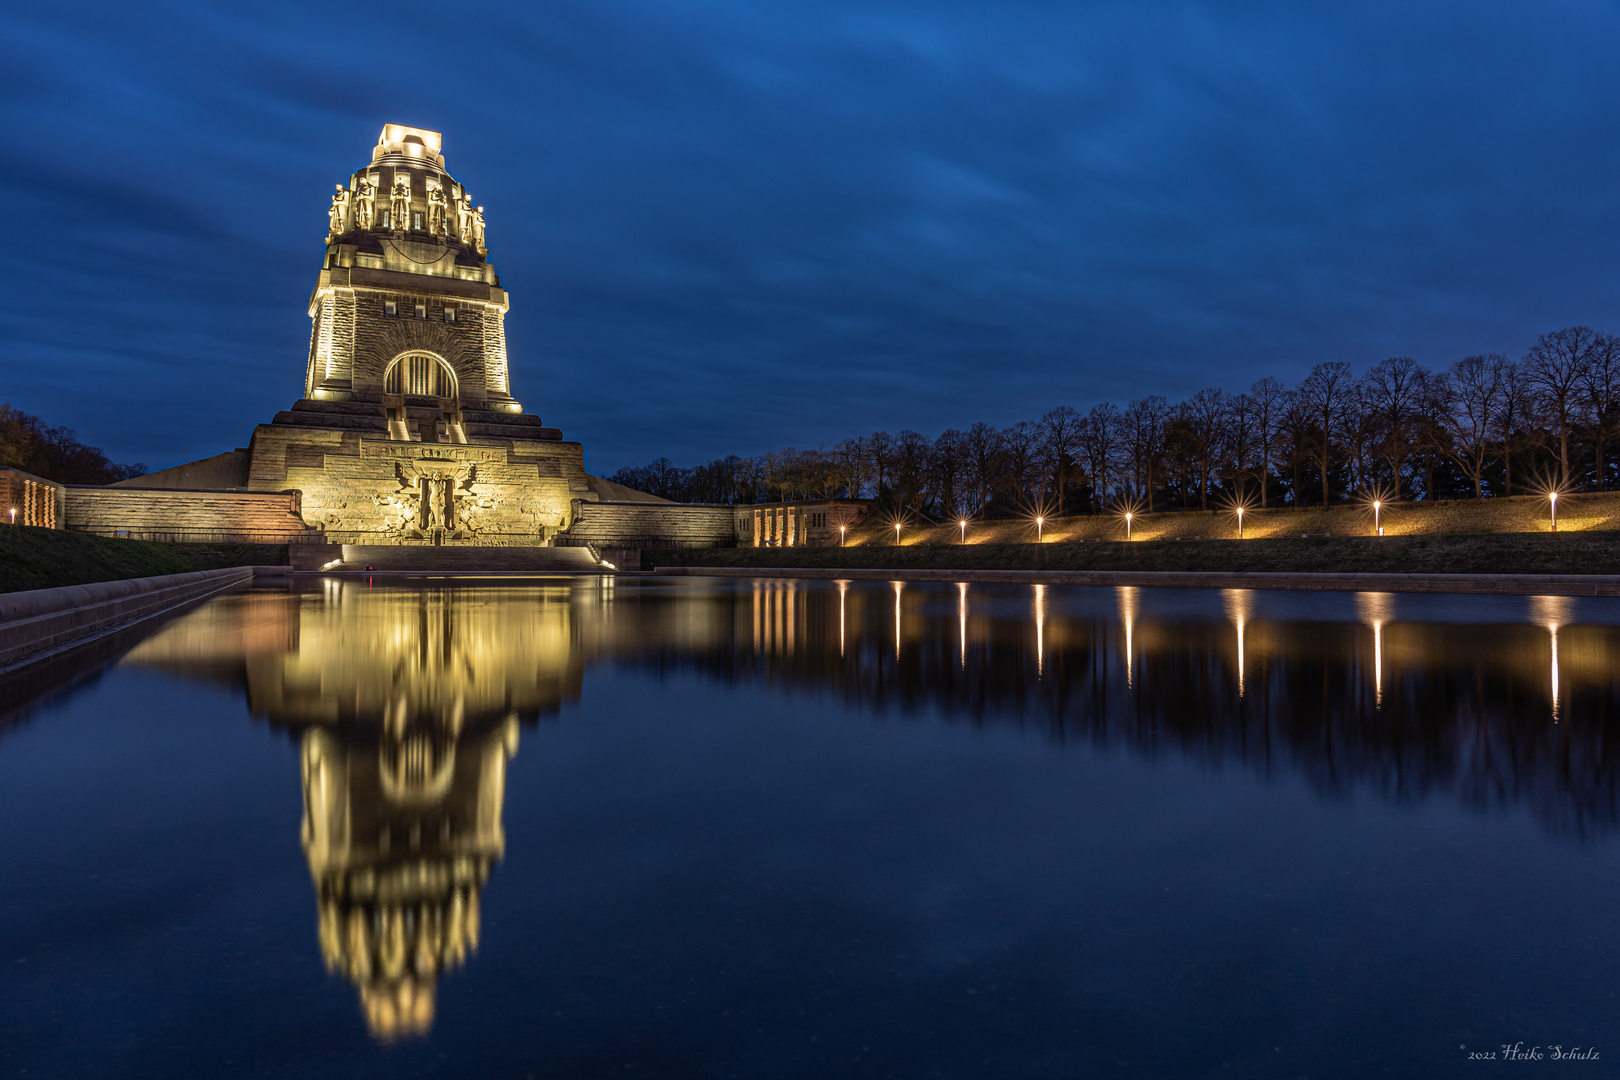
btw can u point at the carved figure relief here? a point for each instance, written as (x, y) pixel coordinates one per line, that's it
(399, 205)
(436, 215)
(478, 229)
(339, 210)
(365, 203)
(436, 500)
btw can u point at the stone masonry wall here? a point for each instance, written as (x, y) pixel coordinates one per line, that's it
(249, 517)
(642, 524)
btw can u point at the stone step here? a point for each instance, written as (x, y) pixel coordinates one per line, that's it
(575, 560)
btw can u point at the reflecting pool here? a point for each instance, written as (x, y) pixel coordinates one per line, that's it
(705, 828)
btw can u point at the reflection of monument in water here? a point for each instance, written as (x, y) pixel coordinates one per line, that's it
(407, 706)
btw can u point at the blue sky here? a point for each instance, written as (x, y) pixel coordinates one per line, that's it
(730, 227)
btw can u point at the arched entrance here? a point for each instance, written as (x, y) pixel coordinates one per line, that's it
(422, 399)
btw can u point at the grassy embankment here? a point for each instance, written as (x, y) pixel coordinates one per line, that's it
(1497, 536)
(46, 558)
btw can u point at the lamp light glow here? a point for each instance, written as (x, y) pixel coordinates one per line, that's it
(843, 530)
(1128, 516)
(963, 523)
(1552, 496)
(1040, 528)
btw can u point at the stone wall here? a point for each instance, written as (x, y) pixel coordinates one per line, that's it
(227, 470)
(666, 524)
(181, 516)
(620, 530)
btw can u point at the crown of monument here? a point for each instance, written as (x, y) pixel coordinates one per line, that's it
(405, 191)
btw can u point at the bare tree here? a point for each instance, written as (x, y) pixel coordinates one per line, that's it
(1099, 444)
(1060, 428)
(1393, 390)
(1323, 393)
(1267, 403)
(1144, 434)
(1239, 441)
(982, 445)
(851, 458)
(1556, 368)
(1512, 413)
(1602, 388)
(949, 470)
(880, 455)
(1205, 415)
(912, 451)
(1022, 443)
(1472, 391)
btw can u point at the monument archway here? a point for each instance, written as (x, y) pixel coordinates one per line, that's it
(419, 373)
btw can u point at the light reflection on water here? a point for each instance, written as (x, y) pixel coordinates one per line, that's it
(408, 702)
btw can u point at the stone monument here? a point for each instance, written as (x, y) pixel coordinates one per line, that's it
(407, 432)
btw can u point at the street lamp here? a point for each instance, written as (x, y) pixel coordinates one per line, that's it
(1040, 528)
(1378, 516)
(963, 522)
(1128, 517)
(1240, 522)
(842, 529)
(897, 534)
(1554, 497)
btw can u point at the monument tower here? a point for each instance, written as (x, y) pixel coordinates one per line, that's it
(407, 432)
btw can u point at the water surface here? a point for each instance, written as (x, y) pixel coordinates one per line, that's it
(690, 828)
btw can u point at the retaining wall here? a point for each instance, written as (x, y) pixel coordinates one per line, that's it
(178, 515)
(41, 622)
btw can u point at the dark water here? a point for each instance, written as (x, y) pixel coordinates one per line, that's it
(690, 828)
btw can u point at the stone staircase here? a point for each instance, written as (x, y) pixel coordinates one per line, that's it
(540, 560)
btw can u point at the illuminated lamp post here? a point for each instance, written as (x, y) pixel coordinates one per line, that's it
(1378, 516)
(1040, 528)
(1240, 522)
(1552, 496)
(842, 530)
(897, 534)
(963, 523)
(1128, 516)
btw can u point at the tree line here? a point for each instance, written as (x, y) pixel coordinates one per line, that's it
(55, 453)
(1486, 426)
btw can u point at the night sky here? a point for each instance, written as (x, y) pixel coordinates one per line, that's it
(730, 227)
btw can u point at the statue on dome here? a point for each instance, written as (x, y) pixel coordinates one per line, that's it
(399, 206)
(339, 209)
(464, 219)
(436, 212)
(365, 203)
(478, 229)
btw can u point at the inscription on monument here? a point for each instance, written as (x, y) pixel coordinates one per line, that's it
(433, 452)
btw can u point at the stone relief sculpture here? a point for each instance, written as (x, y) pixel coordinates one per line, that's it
(339, 210)
(436, 212)
(464, 219)
(365, 203)
(478, 229)
(436, 500)
(399, 206)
